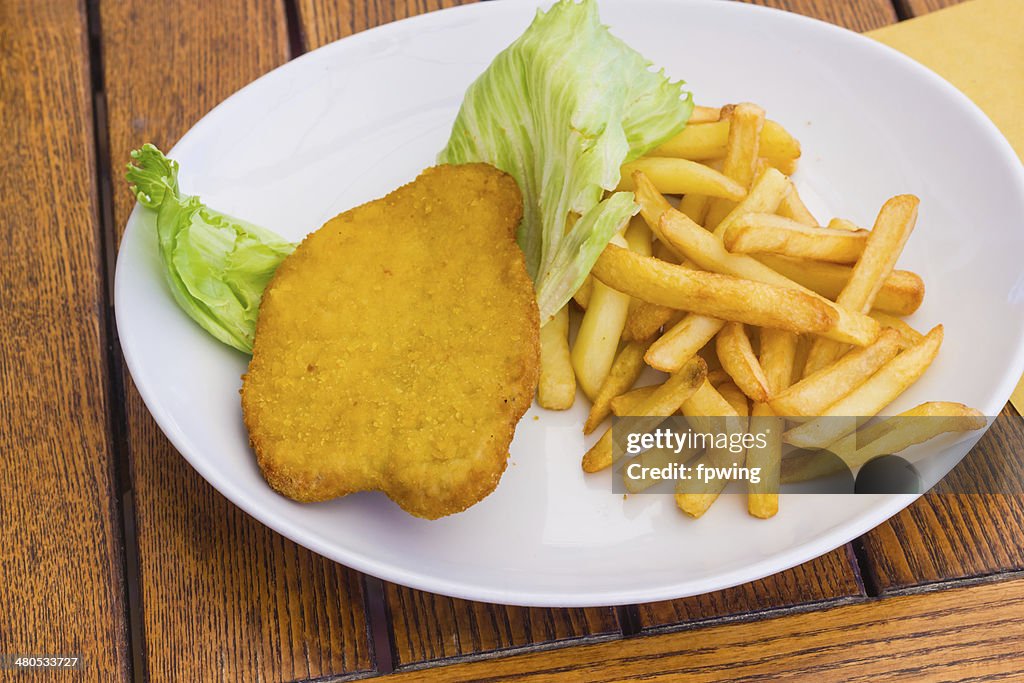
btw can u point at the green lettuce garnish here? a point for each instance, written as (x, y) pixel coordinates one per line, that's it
(561, 109)
(217, 266)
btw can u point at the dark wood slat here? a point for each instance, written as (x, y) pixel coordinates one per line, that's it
(952, 536)
(856, 15)
(966, 634)
(915, 8)
(428, 627)
(63, 589)
(829, 578)
(223, 597)
(424, 626)
(324, 21)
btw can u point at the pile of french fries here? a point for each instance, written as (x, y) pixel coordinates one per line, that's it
(757, 311)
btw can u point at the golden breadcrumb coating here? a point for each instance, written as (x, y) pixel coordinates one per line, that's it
(397, 348)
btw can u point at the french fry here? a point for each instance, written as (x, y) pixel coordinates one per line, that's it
(623, 374)
(706, 403)
(681, 176)
(870, 397)
(777, 356)
(680, 343)
(582, 295)
(760, 233)
(626, 404)
(901, 293)
(666, 253)
(887, 437)
(892, 228)
(695, 206)
(708, 252)
(895, 434)
(786, 167)
(738, 359)
(653, 206)
(717, 377)
(704, 115)
(793, 207)
(645, 319)
(712, 294)
(890, 233)
(765, 195)
(843, 224)
(556, 389)
(908, 335)
(638, 236)
(709, 140)
(664, 401)
(763, 496)
(803, 347)
(695, 496)
(741, 154)
(813, 395)
(736, 398)
(598, 337)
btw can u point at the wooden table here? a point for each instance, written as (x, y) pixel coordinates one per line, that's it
(114, 548)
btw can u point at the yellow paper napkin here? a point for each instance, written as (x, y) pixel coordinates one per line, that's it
(978, 47)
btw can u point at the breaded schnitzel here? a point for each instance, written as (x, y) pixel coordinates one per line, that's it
(397, 348)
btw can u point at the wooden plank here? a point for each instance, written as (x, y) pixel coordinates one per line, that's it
(62, 563)
(223, 597)
(856, 15)
(953, 536)
(428, 627)
(324, 21)
(830, 578)
(971, 633)
(424, 626)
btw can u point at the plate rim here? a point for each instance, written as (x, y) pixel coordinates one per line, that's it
(804, 551)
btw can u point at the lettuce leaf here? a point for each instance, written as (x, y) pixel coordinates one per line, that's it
(217, 266)
(561, 109)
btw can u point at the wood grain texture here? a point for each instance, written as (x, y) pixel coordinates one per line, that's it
(428, 627)
(915, 8)
(964, 634)
(424, 626)
(223, 596)
(856, 15)
(957, 535)
(62, 590)
(324, 21)
(831, 578)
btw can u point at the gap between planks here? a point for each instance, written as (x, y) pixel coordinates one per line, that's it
(117, 419)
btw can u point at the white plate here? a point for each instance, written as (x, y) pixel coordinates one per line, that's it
(351, 121)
